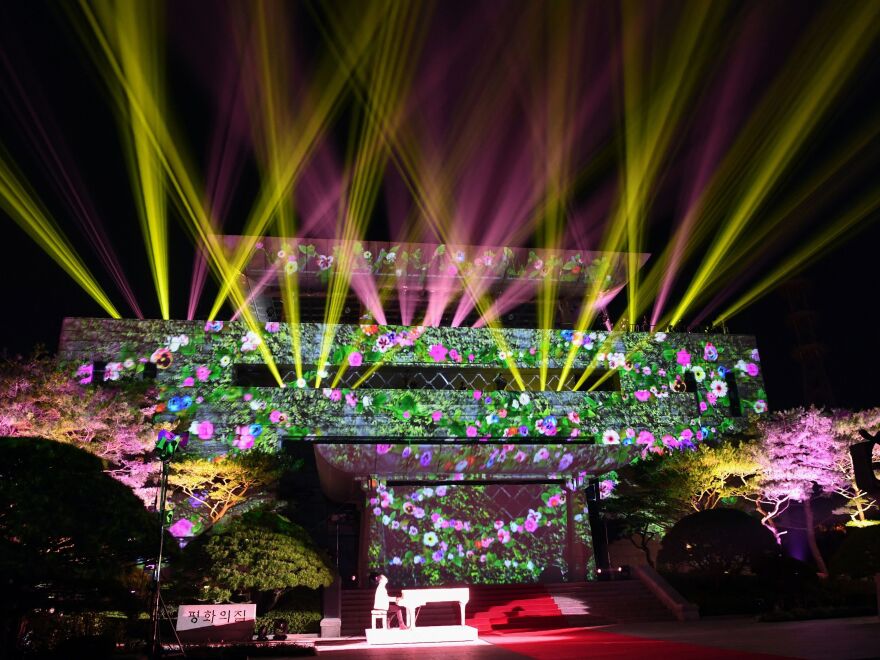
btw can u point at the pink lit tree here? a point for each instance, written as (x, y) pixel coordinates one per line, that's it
(39, 398)
(798, 457)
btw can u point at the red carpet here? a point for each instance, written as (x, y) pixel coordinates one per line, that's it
(578, 643)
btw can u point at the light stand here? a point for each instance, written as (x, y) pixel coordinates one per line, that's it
(166, 444)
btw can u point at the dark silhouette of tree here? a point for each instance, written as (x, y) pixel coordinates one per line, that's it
(70, 535)
(716, 542)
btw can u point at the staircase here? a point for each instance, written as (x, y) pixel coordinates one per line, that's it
(508, 607)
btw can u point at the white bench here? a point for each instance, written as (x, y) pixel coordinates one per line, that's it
(378, 615)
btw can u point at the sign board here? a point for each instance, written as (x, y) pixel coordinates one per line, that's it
(227, 622)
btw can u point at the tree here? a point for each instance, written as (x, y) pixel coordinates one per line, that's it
(216, 486)
(70, 535)
(716, 542)
(40, 398)
(259, 556)
(710, 474)
(797, 455)
(654, 494)
(642, 507)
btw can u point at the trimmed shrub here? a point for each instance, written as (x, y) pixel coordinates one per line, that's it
(716, 542)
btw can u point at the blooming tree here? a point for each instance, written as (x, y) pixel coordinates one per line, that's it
(798, 456)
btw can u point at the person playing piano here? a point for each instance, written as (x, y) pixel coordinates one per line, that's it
(383, 602)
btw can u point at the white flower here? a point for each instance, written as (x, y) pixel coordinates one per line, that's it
(502, 355)
(225, 361)
(719, 388)
(327, 392)
(391, 257)
(659, 337)
(699, 374)
(366, 400)
(524, 398)
(611, 437)
(323, 373)
(368, 255)
(300, 383)
(291, 267)
(741, 365)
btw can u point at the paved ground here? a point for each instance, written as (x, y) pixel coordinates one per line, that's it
(837, 639)
(834, 639)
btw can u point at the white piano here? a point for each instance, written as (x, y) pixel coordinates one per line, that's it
(412, 599)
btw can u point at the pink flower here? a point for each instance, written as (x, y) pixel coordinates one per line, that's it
(671, 441)
(351, 399)
(203, 373)
(383, 449)
(273, 326)
(181, 528)
(453, 355)
(436, 415)
(703, 406)
(471, 431)
(752, 369)
(642, 395)
(470, 357)
(683, 358)
(553, 501)
(355, 359)
(205, 430)
(407, 414)
(531, 525)
(335, 395)
(503, 535)
(245, 441)
(477, 394)
(645, 438)
(711, 398)
(686, 434)
(437, 352)
(574, 417)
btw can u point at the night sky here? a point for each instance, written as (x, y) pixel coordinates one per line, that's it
(50, 64)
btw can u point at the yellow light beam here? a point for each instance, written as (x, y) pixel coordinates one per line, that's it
(20, 203)
(808, 105)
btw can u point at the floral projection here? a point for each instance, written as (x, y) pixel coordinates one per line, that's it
(448, 534)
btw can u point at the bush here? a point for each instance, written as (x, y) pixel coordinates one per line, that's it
(859, 554)
(716, 542)
(306, 621)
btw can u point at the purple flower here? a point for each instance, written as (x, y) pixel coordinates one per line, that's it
(383, 449)
(425, 459)
(437, 556)
(523, 430)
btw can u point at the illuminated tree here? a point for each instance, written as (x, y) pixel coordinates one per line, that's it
(214, 487)
(39, 398)
(710, 475)
(798, 458)
(258, 556)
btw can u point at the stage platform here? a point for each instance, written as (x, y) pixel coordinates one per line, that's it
(420, 635)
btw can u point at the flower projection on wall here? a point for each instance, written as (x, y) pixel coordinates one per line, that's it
(430, 434)
(653, 410)
(473, 534)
